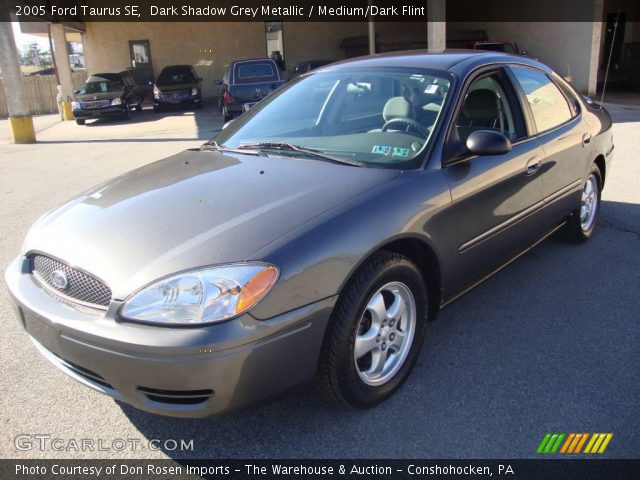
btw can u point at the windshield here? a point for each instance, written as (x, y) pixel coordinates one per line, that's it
(96, 84)
(382, 117)
(175, 76)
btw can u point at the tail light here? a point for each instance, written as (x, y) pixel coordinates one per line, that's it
(227, 98)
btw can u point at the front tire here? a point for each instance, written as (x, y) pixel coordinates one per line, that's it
(582, 223)
(375, 333)
(80, 121)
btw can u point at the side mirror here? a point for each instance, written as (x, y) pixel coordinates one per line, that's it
(524, 53)
(488, 142)
(76, 92)
(217, 82)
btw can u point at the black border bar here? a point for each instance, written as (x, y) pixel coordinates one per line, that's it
(308, 10)
(543, 469)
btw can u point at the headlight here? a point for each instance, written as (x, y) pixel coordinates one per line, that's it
(202, 296)
(116, 101)
(75, 106)
(194, 92)
(156, 92)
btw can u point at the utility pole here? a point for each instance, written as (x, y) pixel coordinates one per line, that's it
(20, 121)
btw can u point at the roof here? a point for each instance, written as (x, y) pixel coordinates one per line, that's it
(454, 61)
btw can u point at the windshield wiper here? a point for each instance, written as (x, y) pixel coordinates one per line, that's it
(213, 145)
(311, 152)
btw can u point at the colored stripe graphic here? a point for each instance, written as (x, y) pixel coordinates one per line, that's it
(581, 443)
(598, 443)
(573, 442)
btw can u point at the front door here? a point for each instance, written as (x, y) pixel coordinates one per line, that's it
(141, 65)
(494, 197)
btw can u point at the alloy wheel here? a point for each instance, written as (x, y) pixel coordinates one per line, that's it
(589, 203)
(385, 333)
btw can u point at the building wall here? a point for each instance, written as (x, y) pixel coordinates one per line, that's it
(564, 46)
(210, 46)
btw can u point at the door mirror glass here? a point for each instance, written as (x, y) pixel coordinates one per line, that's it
(488, 142)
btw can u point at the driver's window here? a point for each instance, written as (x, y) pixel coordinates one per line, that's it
(486, 107)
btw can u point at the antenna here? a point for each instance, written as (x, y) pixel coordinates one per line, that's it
(613, 42)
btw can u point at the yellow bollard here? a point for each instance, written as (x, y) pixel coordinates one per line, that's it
(22, 129)
(67, 113)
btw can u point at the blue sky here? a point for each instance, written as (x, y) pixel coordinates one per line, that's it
(24, 40)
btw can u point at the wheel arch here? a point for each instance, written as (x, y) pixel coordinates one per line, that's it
(420, 252)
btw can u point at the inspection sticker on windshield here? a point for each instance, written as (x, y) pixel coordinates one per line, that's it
(400, 152)
(381, 149)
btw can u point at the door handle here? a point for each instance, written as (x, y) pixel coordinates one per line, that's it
(586, 139)
(533, 165)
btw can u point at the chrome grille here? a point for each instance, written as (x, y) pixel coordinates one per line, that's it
(95, 104)
(81, 287)
(176, 95)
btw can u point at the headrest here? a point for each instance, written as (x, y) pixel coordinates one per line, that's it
(396, 107)
(481, 104)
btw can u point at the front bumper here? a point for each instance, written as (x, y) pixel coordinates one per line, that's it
(179, 371)
(99, 112)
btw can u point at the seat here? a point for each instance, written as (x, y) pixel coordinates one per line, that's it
(480, 111)
(396, 107)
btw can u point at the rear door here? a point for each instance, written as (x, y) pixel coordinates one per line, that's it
(495, 198)
(563, 134)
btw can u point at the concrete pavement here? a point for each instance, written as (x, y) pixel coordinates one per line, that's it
(549, 344)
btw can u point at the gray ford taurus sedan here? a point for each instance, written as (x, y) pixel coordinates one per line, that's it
(315, 236)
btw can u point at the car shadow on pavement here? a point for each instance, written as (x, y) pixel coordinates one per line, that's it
(545, 345)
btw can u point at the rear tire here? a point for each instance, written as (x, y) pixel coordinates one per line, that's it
(139, 107)
(582, 222)
(375, 332)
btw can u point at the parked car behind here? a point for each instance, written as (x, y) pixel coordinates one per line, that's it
(316, 235)
(245, 83)
(177, 85)
(107, 95)
(308, 65)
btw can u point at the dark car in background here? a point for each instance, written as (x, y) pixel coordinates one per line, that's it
(177, 85)
(245, 83)
(107, 95)
(308, 65)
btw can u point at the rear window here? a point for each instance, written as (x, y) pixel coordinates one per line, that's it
(255, 71)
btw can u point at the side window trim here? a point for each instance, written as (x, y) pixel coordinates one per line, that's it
(475, 75)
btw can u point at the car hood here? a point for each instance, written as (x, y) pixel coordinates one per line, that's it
(193, 209)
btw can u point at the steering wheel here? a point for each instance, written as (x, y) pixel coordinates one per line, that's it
(409, 123)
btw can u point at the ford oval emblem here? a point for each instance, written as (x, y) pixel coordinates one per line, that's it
(59, 279)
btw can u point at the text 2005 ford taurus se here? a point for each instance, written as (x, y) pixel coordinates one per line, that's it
(315, 236)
